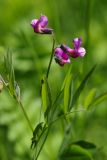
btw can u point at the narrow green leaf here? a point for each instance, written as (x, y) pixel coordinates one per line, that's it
(85, 144)
(7, 63)
(64, 82)
(41, 142)
(12, 80)
(46, 95)
(49, 94)
(17, 92)
(81, 87)
(75, 152)
(1, 85)
(67, 92)
(55, 107)
(37, 134)
(90, 97)
(10, 72)
(99, 99)
(39, 137)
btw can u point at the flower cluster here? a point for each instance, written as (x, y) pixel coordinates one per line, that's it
(62, 53)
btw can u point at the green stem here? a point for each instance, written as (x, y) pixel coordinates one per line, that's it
(50, 62)
(42, 143)
(53, 109)
(65, 115)
(26, 116)
(20, 104)
(47, 74)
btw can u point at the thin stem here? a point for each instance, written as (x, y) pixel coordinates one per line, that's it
(39, 122)
(47, 74)
(50, 62)
(42, 143)
(66, 114)
(21, 105)
(52, 111)
(26, 116)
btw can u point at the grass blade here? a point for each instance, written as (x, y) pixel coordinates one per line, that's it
(99, 99)
(81, 87)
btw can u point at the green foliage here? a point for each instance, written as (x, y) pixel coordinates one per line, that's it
(90, 97)
(81, 87)
(67, 90)
(97, 100)
(40, 134)
(45, 93)
(37, 134)
(30, 54)
(85, 144)
(12, 85)
(9, 72)
(75, 152)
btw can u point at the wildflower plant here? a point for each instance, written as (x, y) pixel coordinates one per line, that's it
(67, 97)
(39, 25)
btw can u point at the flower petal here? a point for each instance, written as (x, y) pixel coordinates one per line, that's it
(74, 53)
(61, 57)
(46, 30)
(65, 48)
(43, 21)
(77, 42)
(81, 52)
(34, 23)
(58, 52)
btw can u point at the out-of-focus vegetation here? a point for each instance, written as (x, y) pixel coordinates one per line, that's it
(31, 53)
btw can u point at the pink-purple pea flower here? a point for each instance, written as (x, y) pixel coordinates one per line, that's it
(63, 53)
(40, 25)
(78, 51)
(61, 57)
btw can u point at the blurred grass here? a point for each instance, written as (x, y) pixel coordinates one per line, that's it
(31, 54)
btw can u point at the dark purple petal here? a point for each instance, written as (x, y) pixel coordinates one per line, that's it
(40, 24)
(61, 57)
(46, 30)
(43, 21)
(65, 48)
(65, 56)
(58, 52)
(77, 43)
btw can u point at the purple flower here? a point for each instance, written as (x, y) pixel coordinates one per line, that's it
(39, 25)
(66, 49)
(78, 51)
(77, 42)
(61, 57)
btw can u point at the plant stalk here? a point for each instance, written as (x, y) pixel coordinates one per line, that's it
(50, 62)
(26, 116)
(42, 144)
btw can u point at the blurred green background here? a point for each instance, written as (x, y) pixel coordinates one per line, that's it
(31, 52)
